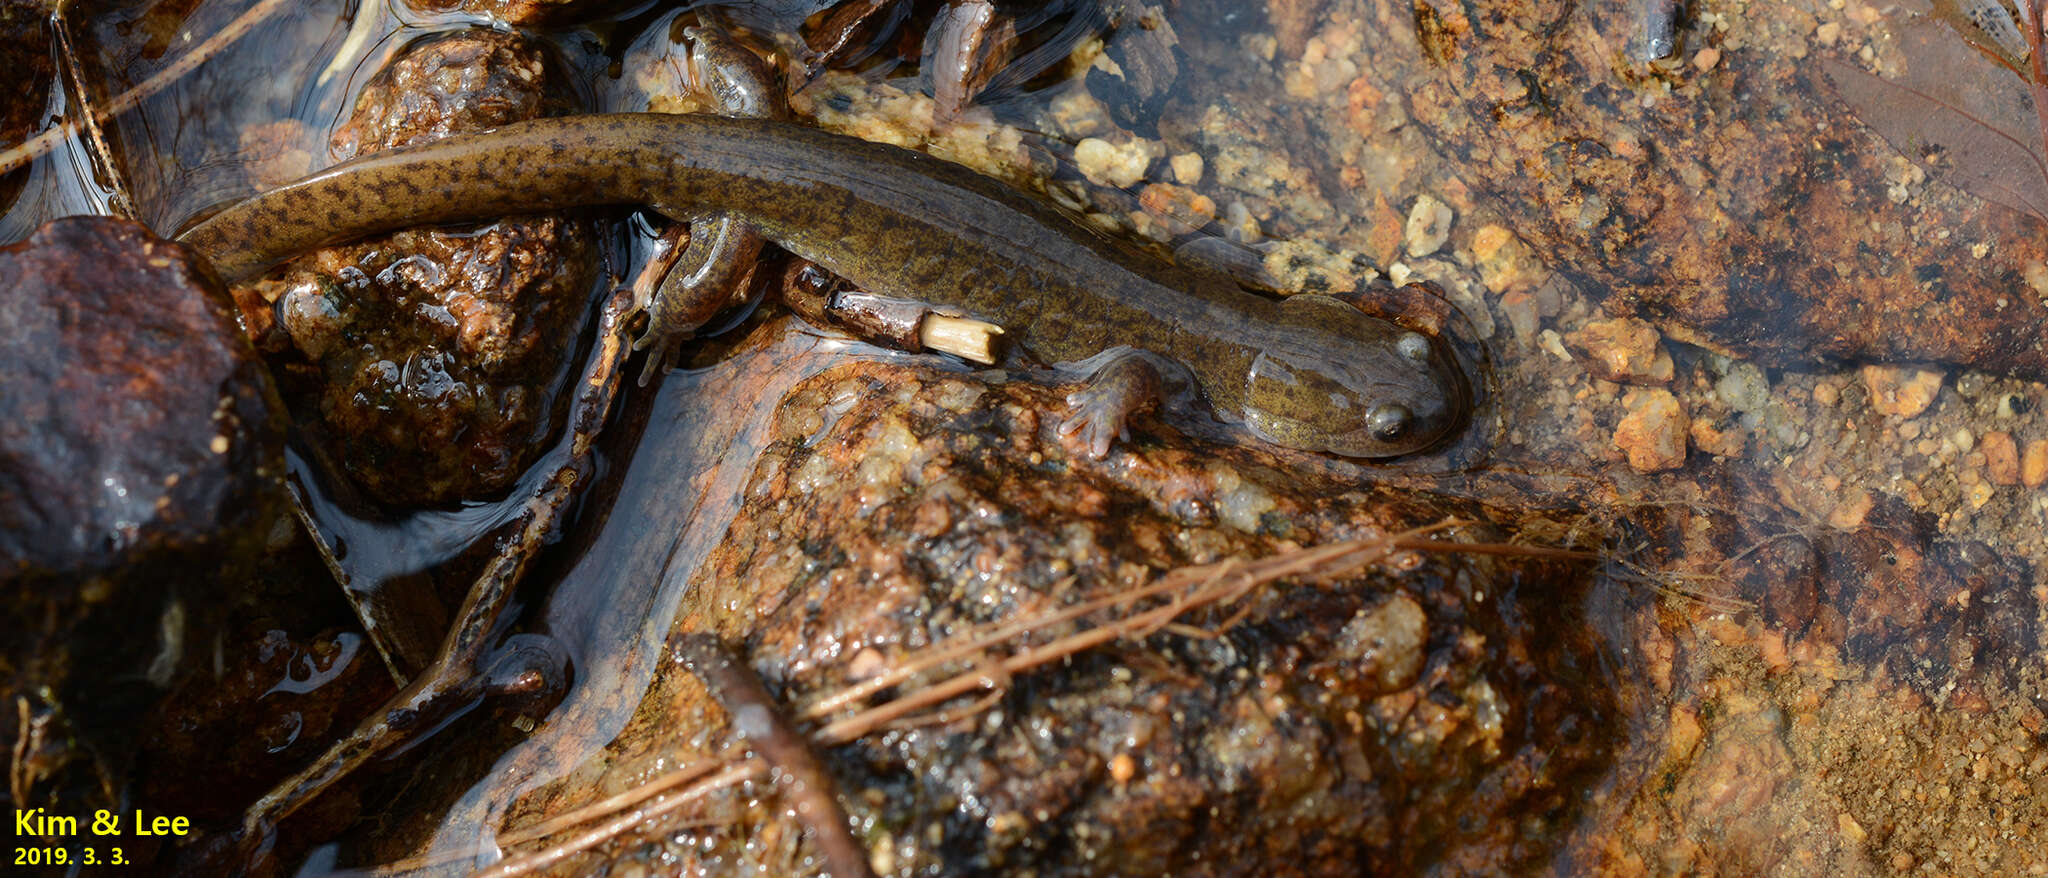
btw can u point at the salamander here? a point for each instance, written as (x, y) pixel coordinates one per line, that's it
(1305, 371)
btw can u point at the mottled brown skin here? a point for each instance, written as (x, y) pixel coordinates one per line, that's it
(1305, 372)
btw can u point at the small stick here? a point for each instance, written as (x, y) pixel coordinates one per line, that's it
(1228, 583)
(1276, 566)
(1509, 549)
(18, 776)
(904, 324)
(751, 769)
(948, 715)
(811, 791)
(613, 804)
(738, 769)
(120, 201)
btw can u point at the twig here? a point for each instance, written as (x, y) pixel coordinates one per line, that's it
(748, 770)
(594, 811)
(973, 643)
(1498, 549)
(949, 714)
(617, 803)
(803, 780)
(1223, 581)
(122, 203)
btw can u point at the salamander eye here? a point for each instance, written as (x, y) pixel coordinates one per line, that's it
(1389, 421)
(1413, 346)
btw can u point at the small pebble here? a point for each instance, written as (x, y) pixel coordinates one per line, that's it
(1744, 387)
(1706, 58)
(1079, 114)
(1122, 768)
(866, 663)
(2036, 275)
(1721, 440)
(1852, 832)
(1118, 165)
(2001, 458)
(1905, 391)
(1383, 238)
(1653, 433)
(1504, 262)
(1182, 209)
(1624, 350)
(1520, 310)
(1850, 510)
(2010, 405)
(2034, 464)
(1685, 731)
(1429, 226)
(1187, 168)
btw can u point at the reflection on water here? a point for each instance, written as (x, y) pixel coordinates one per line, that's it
(63, 183)
(1665, 276)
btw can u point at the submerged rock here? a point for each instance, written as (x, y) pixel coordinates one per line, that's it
(1410, 715)
(1830, 700)
(1737, 202)
(437, 354)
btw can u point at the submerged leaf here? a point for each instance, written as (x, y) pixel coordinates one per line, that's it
(1970, 122)
(1993, 20)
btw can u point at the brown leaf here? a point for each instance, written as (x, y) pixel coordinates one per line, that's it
(1966, 119)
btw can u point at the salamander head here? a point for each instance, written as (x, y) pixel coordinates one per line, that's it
(1343, 382)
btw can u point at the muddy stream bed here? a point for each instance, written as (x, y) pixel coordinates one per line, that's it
(1753, 298)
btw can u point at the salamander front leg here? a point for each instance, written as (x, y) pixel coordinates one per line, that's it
(711, 274)
(1127, 381)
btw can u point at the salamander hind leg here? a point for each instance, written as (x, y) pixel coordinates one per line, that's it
(710, 275)
(1127, 382)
